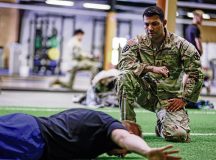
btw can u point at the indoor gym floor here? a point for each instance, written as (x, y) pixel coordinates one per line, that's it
(203, 129)
(45, 103)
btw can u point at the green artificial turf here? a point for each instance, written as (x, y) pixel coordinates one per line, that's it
(202, 147)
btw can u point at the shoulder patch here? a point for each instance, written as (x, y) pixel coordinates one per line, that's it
(197, 56)
(130, 43)
(126, 48)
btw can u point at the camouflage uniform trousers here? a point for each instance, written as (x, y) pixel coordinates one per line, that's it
(82, 65)
(134, 91)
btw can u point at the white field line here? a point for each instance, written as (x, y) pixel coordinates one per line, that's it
(192, 134)
(101, 109)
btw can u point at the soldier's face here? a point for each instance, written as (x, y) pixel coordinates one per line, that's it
(154, 27)
(80, 37)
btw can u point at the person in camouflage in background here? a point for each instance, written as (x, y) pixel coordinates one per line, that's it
(75, 60)
(152, 67)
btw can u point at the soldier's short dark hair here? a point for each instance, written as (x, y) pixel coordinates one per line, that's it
(152, 11)
(78, 31)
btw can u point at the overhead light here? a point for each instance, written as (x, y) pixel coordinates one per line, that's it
(60, 2)
(177, 14)
(96, 6)
(206, 16)
(190, 14)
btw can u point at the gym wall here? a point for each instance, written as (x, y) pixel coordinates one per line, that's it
(9, 27)
(208, 33)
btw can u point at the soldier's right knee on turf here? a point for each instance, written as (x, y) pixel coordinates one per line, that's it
(175, 133)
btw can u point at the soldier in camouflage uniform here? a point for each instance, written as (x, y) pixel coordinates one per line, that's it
(152, 67)
(75, 60)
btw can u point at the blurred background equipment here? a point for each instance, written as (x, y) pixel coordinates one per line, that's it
(42, 28)
(46, 49)
(18, 62)
(101, 93)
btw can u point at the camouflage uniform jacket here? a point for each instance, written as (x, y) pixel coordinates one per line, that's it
(177, 54)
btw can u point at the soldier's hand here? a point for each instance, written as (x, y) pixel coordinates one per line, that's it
(161, 70)
(162, 154)
(175, 104)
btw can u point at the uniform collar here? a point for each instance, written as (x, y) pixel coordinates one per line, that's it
(167, 40)
(166, 43)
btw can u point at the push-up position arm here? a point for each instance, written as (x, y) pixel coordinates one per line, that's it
(133, 143)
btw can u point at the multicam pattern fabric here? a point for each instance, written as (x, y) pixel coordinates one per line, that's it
(138, 87)
(174, 126)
